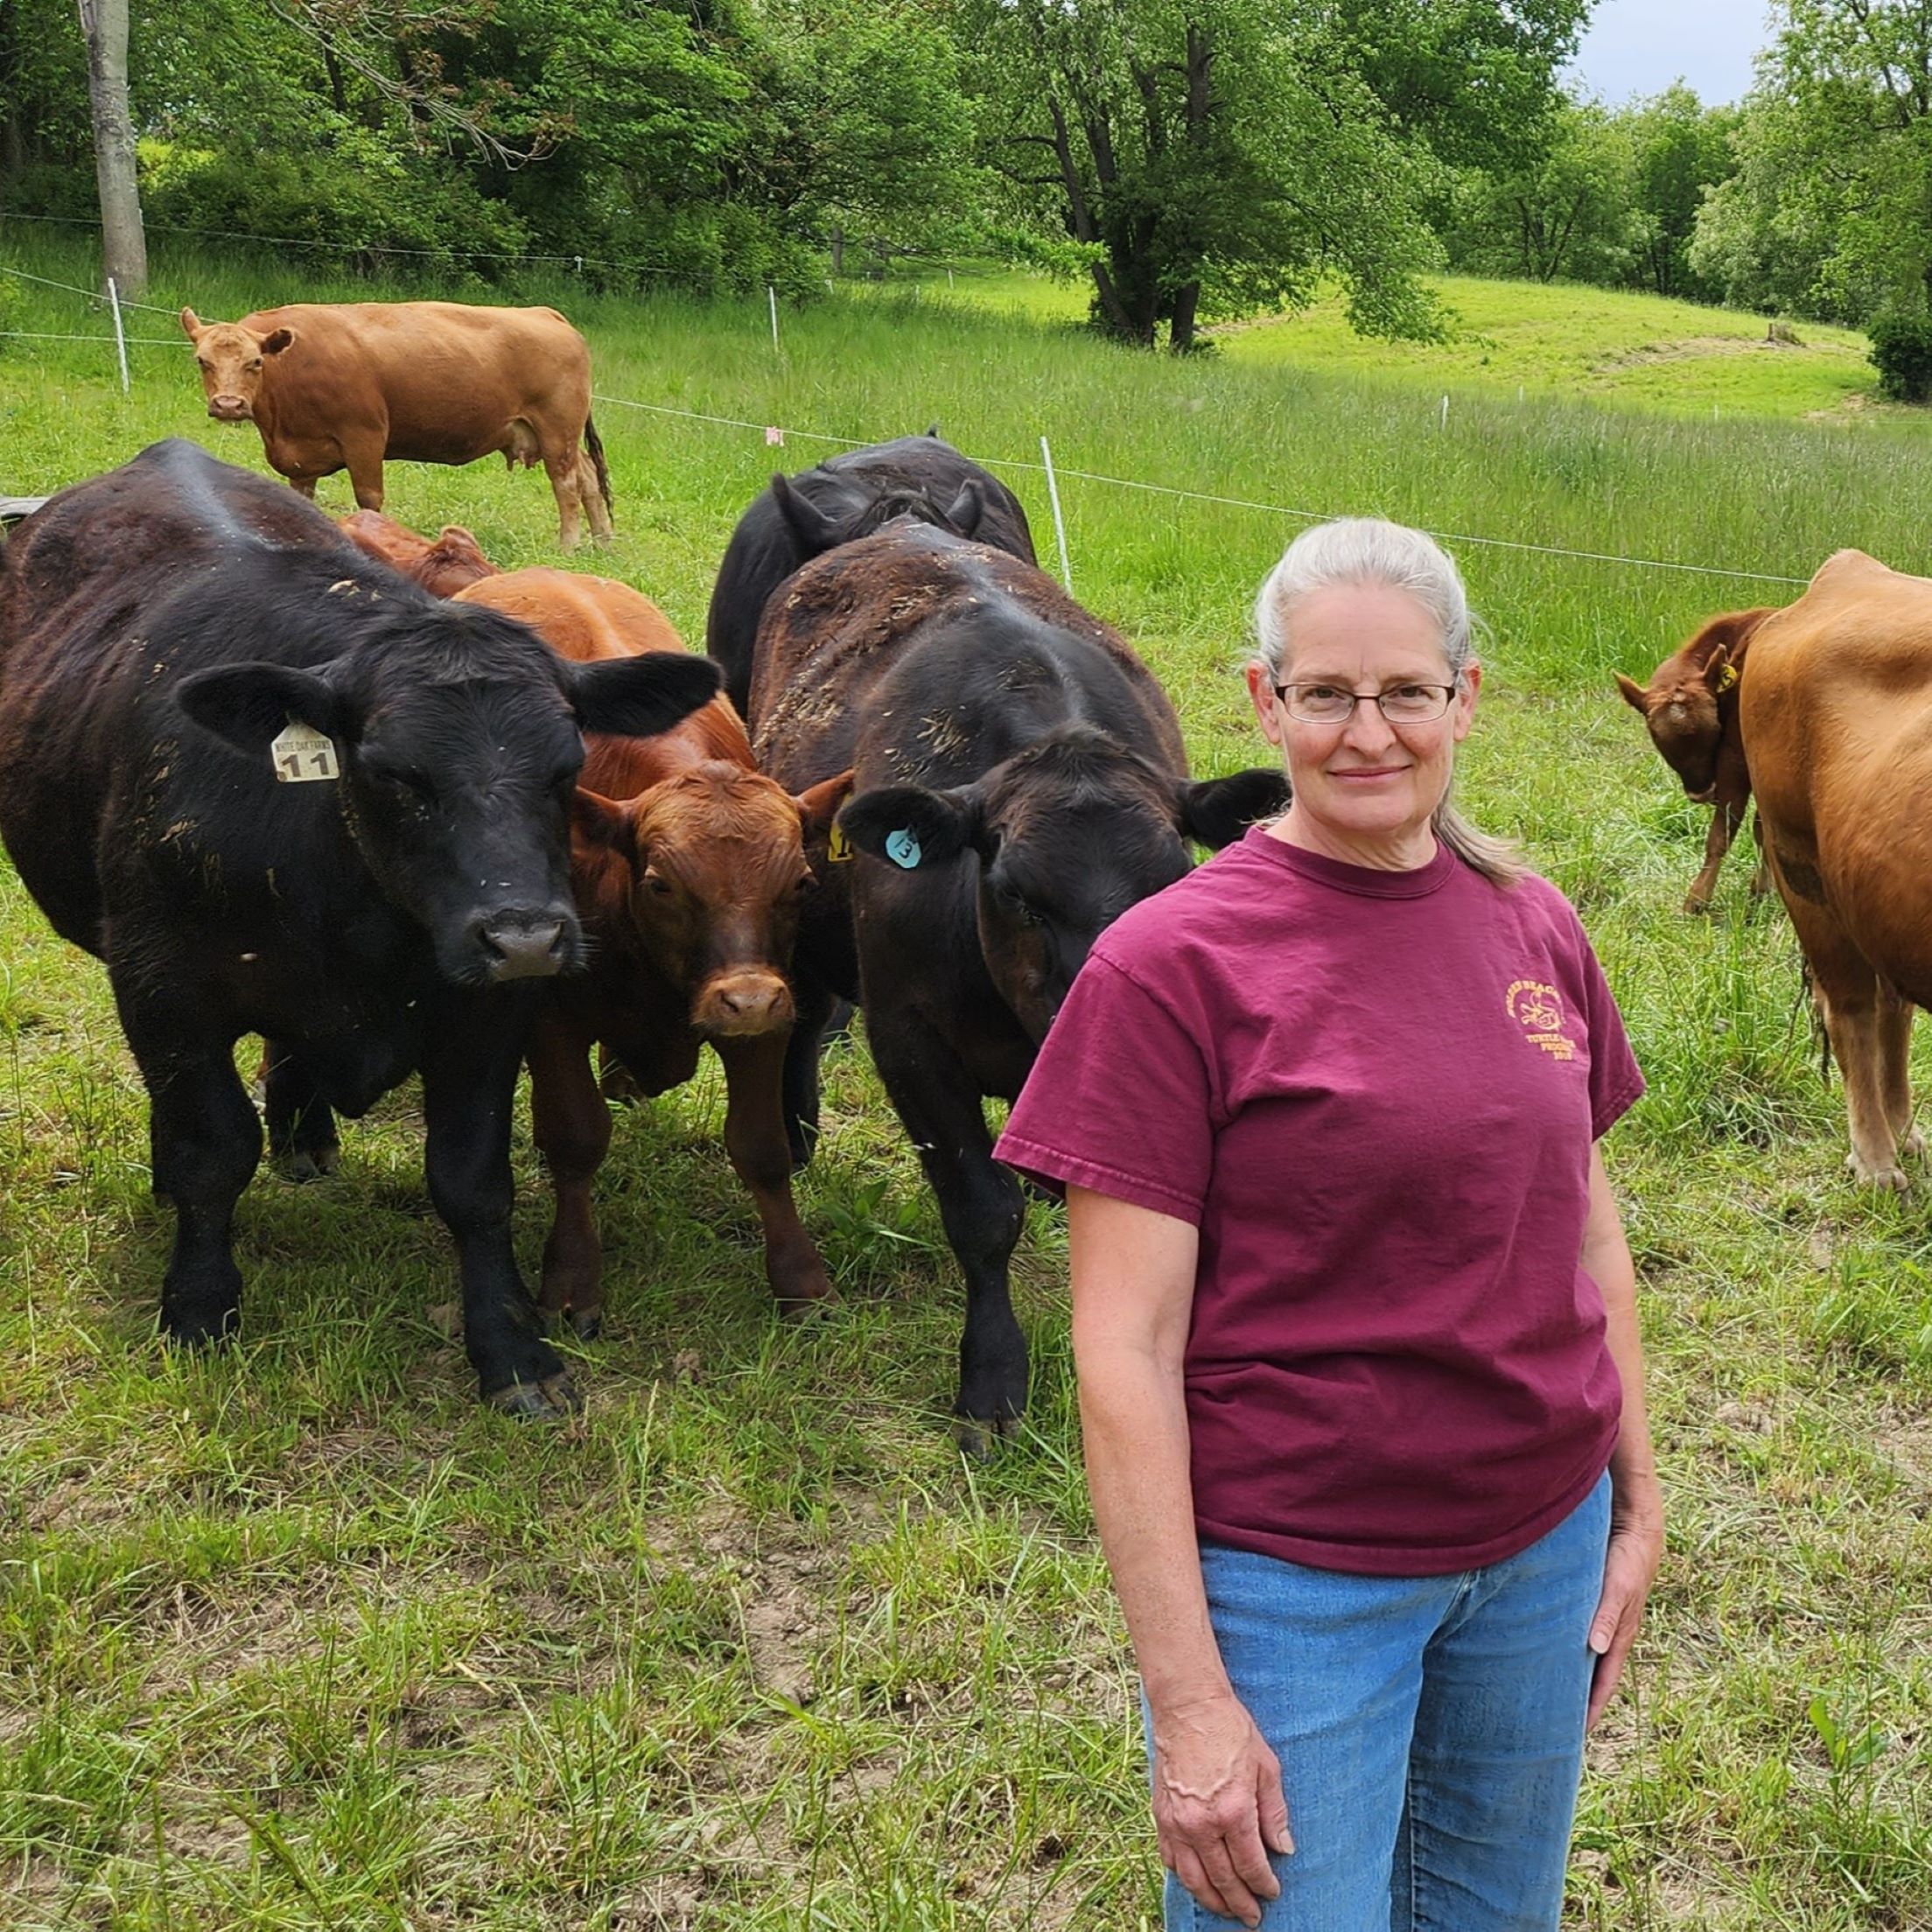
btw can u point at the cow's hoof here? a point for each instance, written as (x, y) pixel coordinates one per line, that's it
(586, 1324)
(1912, 1144)
(550, 1400)
(305, 1163)
(1891, 1175)
(979, 1436)
(213, 1329)
(1693, 905)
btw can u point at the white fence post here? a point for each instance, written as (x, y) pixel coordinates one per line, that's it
(1445, 412)
(1060, 522)
(120, 336)
(773, 293)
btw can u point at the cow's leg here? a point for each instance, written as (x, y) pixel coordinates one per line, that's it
(362, 457)
(560, 466)
(755, 1139)
(571, 1126)
(590, 494)
(471, 1051)
(204, 1143)
(1724, 820)
(1896, 1069)
(302, 1137)
(1761, 880)
(304, 486)
(980, 1203)
(814, 1006)
(1848, 995)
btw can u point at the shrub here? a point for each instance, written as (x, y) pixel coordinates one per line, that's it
(1901, 351)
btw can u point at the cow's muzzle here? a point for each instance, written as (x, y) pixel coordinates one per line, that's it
(744, 1002)
(230, 408)
(525, 945)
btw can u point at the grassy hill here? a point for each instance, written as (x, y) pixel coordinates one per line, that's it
(1562, 339)
(299, 1637)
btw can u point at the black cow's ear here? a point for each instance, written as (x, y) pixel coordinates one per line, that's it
(966, 509)
(911, 828)
(248, 704)
(639, 696)
(812, 530)
(1217, 811)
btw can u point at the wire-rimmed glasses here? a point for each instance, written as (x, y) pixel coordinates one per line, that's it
(1399, 703)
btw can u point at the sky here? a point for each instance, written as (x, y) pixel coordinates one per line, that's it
(1640, 46)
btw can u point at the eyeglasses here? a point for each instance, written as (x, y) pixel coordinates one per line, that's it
(1400, 703)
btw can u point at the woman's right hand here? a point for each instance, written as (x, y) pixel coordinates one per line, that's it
(1219, 1809)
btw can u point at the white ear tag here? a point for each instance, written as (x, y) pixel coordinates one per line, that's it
(304, 756)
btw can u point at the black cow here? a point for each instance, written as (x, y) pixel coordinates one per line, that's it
(1020, 782)
(159, 626)
(846, 497)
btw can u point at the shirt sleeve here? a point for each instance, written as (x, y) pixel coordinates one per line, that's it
(1616, 1080)
(1119, 1100)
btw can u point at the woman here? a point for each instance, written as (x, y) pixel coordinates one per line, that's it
(1354, 1316)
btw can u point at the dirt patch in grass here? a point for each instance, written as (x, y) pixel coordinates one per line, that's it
(1690, 348)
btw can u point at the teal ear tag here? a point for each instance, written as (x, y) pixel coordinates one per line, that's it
(902, 848)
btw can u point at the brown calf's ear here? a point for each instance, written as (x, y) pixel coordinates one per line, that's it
(275, 340)
(1634, 694)
(599, 821)
(818, 804)
(190, 324)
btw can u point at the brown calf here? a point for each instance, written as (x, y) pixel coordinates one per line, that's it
(1837, 721)
(1691, 706)
(443, 568)
(689, 868)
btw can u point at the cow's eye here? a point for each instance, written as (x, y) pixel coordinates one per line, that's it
(658, 884)
(252, 367)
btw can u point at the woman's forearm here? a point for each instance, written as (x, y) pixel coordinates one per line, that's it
(1135, 1422)
(1607, 1260)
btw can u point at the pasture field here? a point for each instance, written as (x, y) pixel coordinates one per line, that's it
(300, 1636)
(1561, 341)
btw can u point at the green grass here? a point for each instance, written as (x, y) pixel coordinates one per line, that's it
(1511, 338)
(302, 1637)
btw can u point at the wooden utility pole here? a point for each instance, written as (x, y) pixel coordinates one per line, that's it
(123, 242)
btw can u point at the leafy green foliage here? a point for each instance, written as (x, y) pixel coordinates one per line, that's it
(1901, 351)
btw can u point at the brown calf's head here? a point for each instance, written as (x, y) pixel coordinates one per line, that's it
(232, 359)
(716, 864)
(1688, 703)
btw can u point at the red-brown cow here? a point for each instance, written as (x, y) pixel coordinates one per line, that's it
(1691, 706)
(443, 567)
(689, 868)
(351, 385)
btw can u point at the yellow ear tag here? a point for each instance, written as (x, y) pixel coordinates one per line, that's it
(304, 756)
(1727, 677)
(838, 848)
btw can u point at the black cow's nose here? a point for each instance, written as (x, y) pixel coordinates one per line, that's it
(524, 945)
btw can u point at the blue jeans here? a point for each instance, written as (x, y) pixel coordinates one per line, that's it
(1430, 1731)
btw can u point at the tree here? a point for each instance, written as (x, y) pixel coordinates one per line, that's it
(123, 243)
(1831, 208)
(1679, 150)
(1570, 210)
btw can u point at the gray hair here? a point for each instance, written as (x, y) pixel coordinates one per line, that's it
(1364, 552)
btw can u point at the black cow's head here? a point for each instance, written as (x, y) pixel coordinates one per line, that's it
(818, 525)
(1068, 833)
(457, 737)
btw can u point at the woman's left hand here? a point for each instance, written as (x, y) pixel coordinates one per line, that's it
(1629, 1567)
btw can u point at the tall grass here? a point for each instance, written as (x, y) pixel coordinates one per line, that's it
(300, 1636)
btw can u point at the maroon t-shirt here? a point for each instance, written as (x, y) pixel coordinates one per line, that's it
(1375, 1094)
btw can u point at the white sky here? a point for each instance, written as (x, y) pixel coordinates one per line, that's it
(1640, 46)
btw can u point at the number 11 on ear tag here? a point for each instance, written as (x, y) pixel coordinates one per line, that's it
(304, 756)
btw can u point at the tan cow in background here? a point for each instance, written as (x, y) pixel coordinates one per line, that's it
(351, 385)
(1836, 714)
(1690, 708)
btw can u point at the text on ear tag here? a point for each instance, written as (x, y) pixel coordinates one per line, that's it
(838, 848)
(1727, 677)
(902, 848)
(304, 756)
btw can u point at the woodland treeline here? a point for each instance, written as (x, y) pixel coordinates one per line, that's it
(1193, 159)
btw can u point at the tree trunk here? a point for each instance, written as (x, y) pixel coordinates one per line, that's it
(1181, 330)
(838, 249)
(123, 242)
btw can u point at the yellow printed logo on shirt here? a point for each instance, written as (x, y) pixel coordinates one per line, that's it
(1538, 1010)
